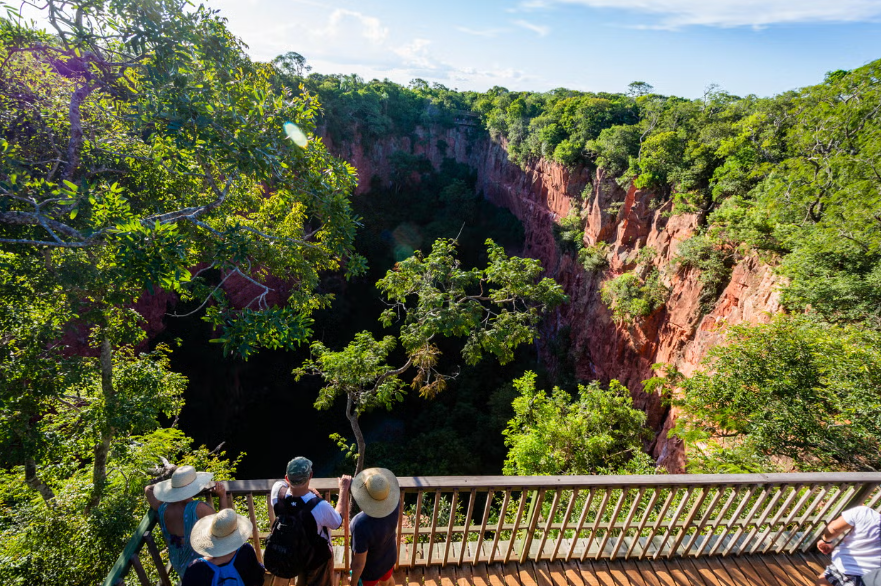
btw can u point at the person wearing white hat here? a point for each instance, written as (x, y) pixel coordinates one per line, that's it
(227, 557)
(374, 547)
(173, 502)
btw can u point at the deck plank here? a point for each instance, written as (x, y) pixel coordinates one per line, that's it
(479, 576)
(542, 574)
(728, 574)
(793, 571)
(703, 570)
(414, 576)
(432, 576)
(619, 576)
(558, 574)
(636, 579)
(399, 577)
(677, 573)
(756, 573)
(783, 577)
(600, 571)
(663, 574)
(574, 575)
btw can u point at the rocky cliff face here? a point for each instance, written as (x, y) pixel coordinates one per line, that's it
(677, 333)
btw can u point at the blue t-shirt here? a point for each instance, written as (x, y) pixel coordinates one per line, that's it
(376, 536)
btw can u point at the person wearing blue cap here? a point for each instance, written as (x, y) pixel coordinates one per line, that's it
(327, 518)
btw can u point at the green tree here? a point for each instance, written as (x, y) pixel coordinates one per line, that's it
(139, 144)
(599, 432)
(795, 388)
(494, 310)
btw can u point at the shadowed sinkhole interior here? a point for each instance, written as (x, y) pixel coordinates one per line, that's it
(257, 407)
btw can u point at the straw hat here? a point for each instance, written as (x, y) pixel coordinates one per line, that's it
(220, 534)
(376, 491)
(184, 483)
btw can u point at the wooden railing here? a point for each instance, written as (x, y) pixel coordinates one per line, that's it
(487, 519)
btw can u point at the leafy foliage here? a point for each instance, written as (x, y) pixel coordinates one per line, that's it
(631, 297)
(598, 433)
(494, 309)
(796, 389)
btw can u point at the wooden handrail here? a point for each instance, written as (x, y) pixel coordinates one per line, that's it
(486, 519)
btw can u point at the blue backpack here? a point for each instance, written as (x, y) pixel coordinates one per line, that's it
(225, 575)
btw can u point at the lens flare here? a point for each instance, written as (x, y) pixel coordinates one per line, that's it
(295, 134)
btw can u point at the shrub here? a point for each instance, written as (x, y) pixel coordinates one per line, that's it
(631, 297)
(713, 262)
(593, 258)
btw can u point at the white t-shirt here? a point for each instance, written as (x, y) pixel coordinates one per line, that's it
(860, 551)
(325, 515)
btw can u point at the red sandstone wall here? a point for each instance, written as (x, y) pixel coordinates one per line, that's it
(544, 192)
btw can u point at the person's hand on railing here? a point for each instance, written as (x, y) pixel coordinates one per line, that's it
(219, 489)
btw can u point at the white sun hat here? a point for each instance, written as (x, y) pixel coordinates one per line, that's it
(220, 534)
(183, 484)
(377, 492)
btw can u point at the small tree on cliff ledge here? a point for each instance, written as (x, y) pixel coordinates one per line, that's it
(494, 309)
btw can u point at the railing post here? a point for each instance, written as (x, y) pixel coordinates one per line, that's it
(164, 580)
(535, 513)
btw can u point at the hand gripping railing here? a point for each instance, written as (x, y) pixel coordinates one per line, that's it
(485, 519)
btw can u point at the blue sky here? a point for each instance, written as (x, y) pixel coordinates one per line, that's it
(761, 47)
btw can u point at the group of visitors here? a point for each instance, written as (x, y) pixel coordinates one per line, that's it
(208, 548)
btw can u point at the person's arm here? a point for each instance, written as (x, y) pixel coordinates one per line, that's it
(251, 571)
(833, 530)
(344, 483)
(151, 498)
(359, 560)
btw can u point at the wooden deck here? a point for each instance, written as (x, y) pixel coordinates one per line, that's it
(750, 570)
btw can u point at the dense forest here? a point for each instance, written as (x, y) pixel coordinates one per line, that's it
(146, 161)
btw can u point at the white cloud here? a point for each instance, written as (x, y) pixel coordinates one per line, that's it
(348, 22)
(539, 29)
(489, 33)
(673, 14)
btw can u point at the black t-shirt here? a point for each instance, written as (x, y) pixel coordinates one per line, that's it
(376, 536)
(201, 574)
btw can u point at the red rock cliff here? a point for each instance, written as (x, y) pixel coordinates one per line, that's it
(543, 192)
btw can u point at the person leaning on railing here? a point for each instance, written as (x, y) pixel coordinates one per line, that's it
(858, 553)
(178, 513)
(374, 547)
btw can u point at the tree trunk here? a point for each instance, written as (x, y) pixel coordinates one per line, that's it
(102, 448)
(34, 481)
(352, 416)
(75, 143)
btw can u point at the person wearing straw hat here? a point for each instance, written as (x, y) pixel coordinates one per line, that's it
(227, 557)
(173, 502)
(374, 547)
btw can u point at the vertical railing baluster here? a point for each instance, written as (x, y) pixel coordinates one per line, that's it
(434, 513)
(645, 517)
(164, 580)
(499, 525)
(524, 496)
(766, 537)
(566, 516)
(808, 511)
(705, 518)
(533, 522)
(255, 531)
(612, 520)
(596, 523)
(419, 494)
(733, 520)
(139, 570)
(400, 534)
(671, 527)
(581, 520)
(489, 501)
(748, 546)
(627, 522)
(554, 504)
(714, 524)
(471, 498)
(809, 489)
(450, 525)
(745, 522)
(688, 520)
(835, 503)
(660, 522)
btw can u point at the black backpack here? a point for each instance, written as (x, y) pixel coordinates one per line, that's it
(294, 545)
